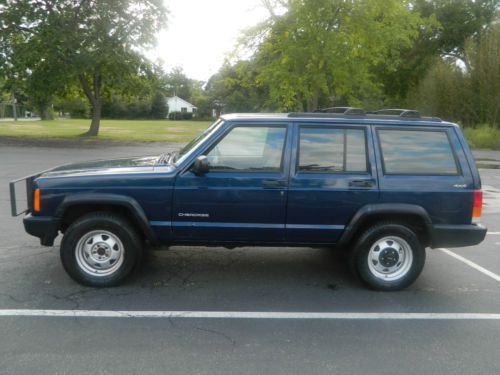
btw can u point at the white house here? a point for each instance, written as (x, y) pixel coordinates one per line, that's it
(176, 104)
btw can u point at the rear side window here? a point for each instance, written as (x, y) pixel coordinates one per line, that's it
(417, 152)
(332, 150)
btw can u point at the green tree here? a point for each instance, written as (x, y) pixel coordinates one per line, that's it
(177, 83)
(28, 74)
(443, 91)
(90, 41)
(454, 22)
(469, 95)
(134, 97)
(159, 108)
(485, 77)
(329, 48)
(234, 87)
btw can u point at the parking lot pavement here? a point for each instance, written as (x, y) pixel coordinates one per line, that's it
(283, 280)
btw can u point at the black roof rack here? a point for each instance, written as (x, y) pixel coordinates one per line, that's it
(398, 112)
(350, 112)
(341, 110)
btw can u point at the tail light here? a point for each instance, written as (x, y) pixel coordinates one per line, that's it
(477, 206)
(36, 200)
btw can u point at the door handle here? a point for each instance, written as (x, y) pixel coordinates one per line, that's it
(274, 183)
(362, 183)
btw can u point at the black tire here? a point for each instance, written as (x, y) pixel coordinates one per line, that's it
(83, 265)
(388, 257)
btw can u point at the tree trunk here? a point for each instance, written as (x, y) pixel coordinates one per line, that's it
(44, 111)
(96, 120)
(312, 104)
(14, 109)
(93, 95)
(309, 105)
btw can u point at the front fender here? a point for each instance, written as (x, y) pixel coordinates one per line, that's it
(129, 203)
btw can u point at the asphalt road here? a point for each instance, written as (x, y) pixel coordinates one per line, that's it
(250, 279)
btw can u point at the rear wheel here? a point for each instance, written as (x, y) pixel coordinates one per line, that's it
(100, 249)
(388, 256)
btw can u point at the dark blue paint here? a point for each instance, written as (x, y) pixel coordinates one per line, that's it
(286, 207)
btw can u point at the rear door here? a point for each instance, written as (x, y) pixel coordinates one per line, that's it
(243, 196)
(333, 174)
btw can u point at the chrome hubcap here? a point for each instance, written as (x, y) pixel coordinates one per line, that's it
(99, 253)
(390, 258)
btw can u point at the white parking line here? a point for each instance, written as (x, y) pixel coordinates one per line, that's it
(246, 315)
(472, 264)
(492, 232)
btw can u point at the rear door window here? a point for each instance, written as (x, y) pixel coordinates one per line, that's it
(417, 152)
(332, 150)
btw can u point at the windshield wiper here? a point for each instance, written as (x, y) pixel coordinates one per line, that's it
(164, 158)
(172, 157)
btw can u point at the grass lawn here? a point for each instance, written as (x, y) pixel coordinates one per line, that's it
(116, 130)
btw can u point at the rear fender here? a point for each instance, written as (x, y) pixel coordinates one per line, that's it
(385, 211)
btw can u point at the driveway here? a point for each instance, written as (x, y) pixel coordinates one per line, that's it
(202, 310)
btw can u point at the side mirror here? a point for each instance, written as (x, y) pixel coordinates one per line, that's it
(200, 165)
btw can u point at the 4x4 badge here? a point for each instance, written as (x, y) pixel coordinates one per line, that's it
(460, 186)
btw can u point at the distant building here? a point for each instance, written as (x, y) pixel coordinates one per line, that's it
(176, 104)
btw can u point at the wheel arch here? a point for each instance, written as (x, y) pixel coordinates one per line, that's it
(413, 216)
(77, 205)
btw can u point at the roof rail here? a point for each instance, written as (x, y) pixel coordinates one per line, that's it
(324, 115)
(367, 116)
(408, 113)
(342, 110)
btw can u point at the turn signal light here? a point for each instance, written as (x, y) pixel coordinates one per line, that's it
(477, 206)
(36, 200)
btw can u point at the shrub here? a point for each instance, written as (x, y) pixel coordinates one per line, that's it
(139, 108)
(76, 107)
(483, 136)
(180, 116)
(114, 107)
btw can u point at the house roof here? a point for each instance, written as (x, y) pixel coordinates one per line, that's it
(175, 97)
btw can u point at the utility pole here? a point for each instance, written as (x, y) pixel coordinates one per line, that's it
(14, 109)
(218, 106)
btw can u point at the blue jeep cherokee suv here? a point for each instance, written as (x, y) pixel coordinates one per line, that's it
(381, 186)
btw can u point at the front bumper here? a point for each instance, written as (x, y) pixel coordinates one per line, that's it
(457, 235)
(44, 227)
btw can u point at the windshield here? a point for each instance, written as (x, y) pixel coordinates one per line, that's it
(185, 151)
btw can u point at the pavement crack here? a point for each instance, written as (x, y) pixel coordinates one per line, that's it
(220, 334)
(12, 298)
(71, 297)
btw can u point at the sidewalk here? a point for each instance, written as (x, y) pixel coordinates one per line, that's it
(10, 119)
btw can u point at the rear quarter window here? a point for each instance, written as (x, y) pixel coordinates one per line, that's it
(417, 152)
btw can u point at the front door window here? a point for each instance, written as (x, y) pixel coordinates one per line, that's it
(250, 148)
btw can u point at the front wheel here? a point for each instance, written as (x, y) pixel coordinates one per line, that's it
(100, 249)
(388, 256)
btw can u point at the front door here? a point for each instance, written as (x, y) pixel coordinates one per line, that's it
(243, 196)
